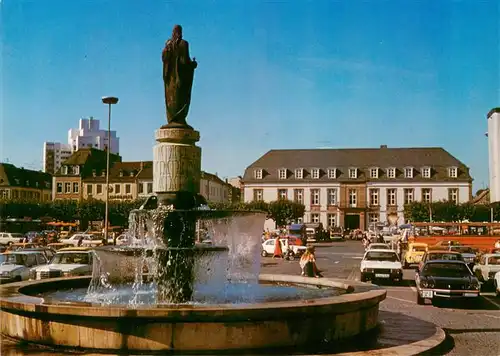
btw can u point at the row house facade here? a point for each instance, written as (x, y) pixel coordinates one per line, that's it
(354, 187)
(26, 184)
(83, 176)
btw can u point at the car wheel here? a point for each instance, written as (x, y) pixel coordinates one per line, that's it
(420, 300)
(363, 278)
(263, 253)
(17, 279)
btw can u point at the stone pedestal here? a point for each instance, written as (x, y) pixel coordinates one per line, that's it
(176, 161)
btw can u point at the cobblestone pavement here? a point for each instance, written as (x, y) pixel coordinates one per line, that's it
(472, 330)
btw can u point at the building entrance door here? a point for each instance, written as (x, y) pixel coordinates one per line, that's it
(352, 221)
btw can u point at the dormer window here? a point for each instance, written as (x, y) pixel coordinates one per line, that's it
(408, 172)
(282, 173)
(315, 173)
(121, 173)
(426, 172)
(452, 172)
(27, 183)
(373, 172)
(76, 170)
(36, 184)
(103, 173)
(132, 173)
(391, 172)
(94, 173)
(257, 174)
(65, 170)
(332, 173)
(299, 173)
(353, 173)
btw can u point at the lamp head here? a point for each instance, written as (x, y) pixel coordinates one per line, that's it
(109, 100)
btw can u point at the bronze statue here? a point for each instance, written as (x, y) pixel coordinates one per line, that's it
(178, 74)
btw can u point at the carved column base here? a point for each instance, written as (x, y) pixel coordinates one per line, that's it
(176, 161)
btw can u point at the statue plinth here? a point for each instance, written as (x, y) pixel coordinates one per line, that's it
(176, 161)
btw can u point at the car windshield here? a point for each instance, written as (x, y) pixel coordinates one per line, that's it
(381, 247)
(16, 259)
(445, 256)
(81, 258)
(494, 260)
(446, 270)
(419, 248)
(381, 256)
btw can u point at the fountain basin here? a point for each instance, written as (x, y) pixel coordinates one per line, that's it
(189, 328)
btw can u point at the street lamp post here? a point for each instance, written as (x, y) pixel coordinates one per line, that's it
(110, 100)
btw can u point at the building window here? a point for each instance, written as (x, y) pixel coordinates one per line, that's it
(373, 217)
(118, 188)
(150, 188)
(282, 173)
(391, 197)
(426, 172)
(282, 194)
(391, 172)
(140, 188)
(374, 201)
(127, 188)
(373, 172)
(453, 195)
(314, 196)
(76, 170)
(353, 173)
(332, 196)
(258, 174)
(332, 173)
(315, 173)
(89, 189)
(408, 194)
(298, 196)
(65, 170)
(258, 195)
(300, 220)
(426, 195)
(352, 198)
(452, 172)
(59, 187)
(98, 189)
(76, 187)
(408, 172)
(315, 218)
(331, 220)
(299, 173)
(67, 188)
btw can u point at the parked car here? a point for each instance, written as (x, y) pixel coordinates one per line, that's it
(445, 244)
(75, 238)
(445, 279)
(72, 261)
(468, 254)
(487, 267)
(9, 238)
(17, 264)
(381, 264)
(293, 250)
(440, 255)
(414, 254)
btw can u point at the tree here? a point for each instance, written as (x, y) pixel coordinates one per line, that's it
(417, 212)
(284, 212)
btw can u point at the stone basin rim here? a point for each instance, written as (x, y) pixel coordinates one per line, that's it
(359, 295)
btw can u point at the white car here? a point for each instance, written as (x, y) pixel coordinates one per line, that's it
(67, 262)
(16, 265)
(488, 266)
(76, 237)
(381, 264)
(9, 238)
(496, 283)
(378, 246)
(268, 248)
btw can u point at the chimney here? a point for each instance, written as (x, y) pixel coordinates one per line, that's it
(383, 146)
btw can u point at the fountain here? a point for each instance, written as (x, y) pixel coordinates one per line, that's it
(172, 293)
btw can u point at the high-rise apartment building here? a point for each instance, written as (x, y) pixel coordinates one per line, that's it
(87, 135)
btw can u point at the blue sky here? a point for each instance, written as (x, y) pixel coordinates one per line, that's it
(281, 74)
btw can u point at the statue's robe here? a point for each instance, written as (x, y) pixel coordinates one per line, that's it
(178, 73)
